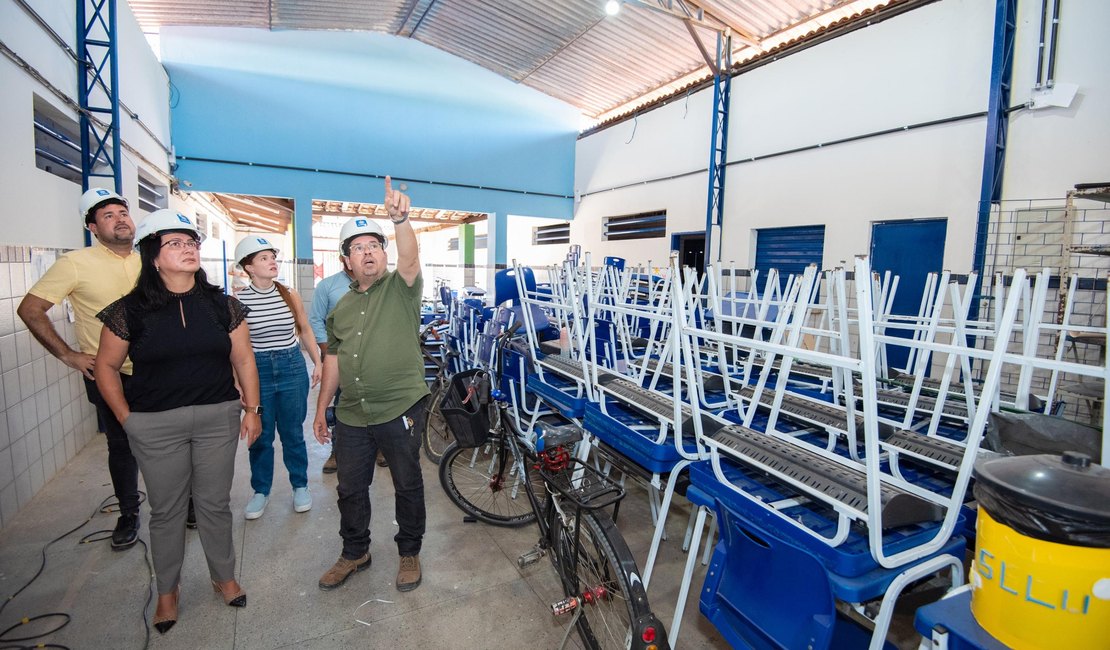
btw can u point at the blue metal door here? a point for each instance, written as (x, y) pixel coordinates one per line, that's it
(910, 249)
(790, 250)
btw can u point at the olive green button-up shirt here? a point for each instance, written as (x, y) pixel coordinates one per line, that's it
(376, 335)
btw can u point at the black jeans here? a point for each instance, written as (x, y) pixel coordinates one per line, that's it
(355, 451)
(121, 463)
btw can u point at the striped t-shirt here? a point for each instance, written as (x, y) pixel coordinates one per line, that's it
(271, 322)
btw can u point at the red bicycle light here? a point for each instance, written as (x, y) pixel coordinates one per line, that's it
(648, 635)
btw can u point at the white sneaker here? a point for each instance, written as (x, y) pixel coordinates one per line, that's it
(302, 500)
(256, 506)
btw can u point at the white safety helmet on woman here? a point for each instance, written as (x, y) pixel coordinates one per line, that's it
(251, 245)
(360, 226)
(164, 220)
(94, 197)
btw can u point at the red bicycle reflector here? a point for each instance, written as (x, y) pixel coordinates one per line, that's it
(648, 635)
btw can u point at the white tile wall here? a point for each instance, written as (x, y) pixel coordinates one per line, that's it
(305, 282)
(45, 418)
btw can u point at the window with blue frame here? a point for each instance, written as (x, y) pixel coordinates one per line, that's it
(645, 225)
(57, 143)
(554, 234)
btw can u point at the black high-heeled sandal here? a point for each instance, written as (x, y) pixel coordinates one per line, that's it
(163, 622)
(237, 599)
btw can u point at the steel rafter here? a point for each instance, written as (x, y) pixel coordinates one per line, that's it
(98, 91)
(994, 155)
(718, 154)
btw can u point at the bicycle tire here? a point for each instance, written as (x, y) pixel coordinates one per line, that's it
(606, 563)
(437, 436)
(467, 476)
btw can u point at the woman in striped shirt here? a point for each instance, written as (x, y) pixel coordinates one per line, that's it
(275, 319)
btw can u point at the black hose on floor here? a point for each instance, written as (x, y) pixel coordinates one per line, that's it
(107, 506)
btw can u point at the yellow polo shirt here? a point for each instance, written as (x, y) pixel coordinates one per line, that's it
(92, 278)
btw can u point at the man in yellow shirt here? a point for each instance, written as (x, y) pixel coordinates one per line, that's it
(92, 278)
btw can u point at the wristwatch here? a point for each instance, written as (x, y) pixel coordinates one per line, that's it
(253, 409)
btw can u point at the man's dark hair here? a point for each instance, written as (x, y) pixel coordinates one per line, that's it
(90, 216)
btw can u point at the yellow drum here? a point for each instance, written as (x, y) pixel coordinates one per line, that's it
(1041, 573)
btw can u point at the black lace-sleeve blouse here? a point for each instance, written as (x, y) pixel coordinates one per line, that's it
(181, 352)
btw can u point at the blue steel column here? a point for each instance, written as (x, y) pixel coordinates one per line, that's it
(994, 156)
(722, 91)
(96, 46)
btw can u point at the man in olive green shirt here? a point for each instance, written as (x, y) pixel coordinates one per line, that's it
(374, 356)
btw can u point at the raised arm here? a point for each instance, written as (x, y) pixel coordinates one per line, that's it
(408, 252)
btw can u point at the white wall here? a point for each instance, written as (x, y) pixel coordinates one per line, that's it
(1052, 150)
(928, 64)
(45, 418)
(518, 243)
(46, 204)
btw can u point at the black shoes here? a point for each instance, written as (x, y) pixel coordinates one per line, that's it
(191, 518)
(126, 532)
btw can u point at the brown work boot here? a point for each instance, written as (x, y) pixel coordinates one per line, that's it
(330, 466)
(408, 576)
(342, 570)
(382, 462)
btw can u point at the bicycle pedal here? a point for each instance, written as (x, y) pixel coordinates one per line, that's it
(531, 557)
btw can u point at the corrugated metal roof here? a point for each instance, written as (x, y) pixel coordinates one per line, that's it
(606, 66)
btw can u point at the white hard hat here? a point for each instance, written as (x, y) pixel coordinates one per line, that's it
(95, 196)
(360, 226)
(163, 220)
(251, 245)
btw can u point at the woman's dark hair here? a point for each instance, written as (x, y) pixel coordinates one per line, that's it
(150, 291)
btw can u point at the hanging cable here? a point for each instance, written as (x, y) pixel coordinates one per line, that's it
(635, 121)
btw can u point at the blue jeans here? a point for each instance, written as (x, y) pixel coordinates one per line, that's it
(283, 384)
(355, 451)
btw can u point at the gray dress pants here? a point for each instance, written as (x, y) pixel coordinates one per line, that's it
(181, 451)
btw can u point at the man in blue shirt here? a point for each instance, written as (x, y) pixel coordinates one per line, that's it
(327, 294)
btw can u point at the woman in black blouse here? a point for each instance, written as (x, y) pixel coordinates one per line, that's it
(188, 342)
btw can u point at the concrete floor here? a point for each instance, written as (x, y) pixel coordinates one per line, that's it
(473, 593)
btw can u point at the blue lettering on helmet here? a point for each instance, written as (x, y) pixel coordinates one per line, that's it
(183, 219)
(360, 222)
(102, 192)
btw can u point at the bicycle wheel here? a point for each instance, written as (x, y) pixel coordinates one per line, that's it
(613, 604)
(437, 435)
(474, 482)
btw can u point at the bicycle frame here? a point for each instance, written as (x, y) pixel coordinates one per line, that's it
(574, 492)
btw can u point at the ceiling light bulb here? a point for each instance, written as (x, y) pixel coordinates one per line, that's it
(612, 7)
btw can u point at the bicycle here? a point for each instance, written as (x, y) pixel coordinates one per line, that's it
(492, 464)
(436, 436)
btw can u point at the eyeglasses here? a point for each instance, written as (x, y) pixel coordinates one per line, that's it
(363, 249)
(181, 244)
